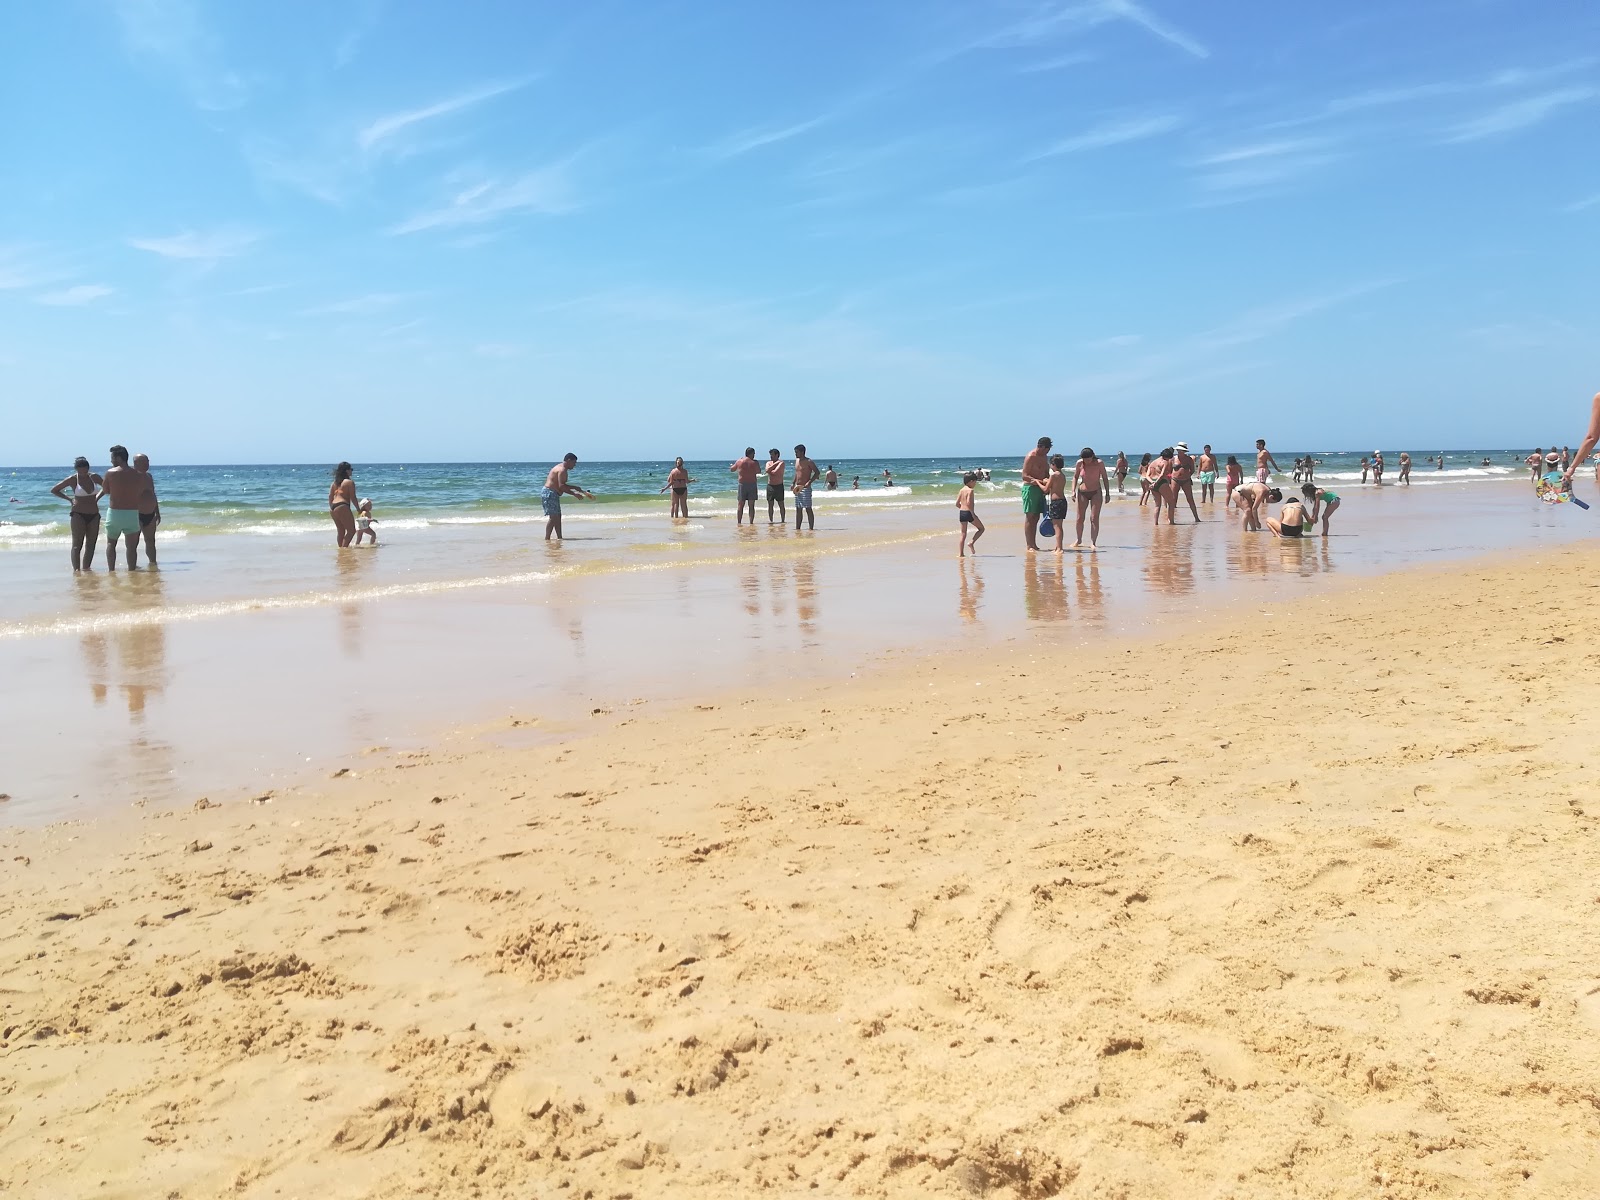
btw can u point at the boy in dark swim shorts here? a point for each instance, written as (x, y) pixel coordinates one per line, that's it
(969, 518)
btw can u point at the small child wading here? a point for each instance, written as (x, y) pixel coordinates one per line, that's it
(364, 522)
(969, 519)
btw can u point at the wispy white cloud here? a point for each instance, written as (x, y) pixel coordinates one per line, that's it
(196, 246)
(171, 35)
(1261, 166)
(1521, 114)
(1112, 133)
(372, 302)
(350, 44)
(754, 139)
(25, 267)
(76, 297)
(1059, 63)
(374, 136)
(1586, 202)
(1141, 16)
(548, 191)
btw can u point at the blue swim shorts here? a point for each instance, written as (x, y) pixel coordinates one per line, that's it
(552, 502)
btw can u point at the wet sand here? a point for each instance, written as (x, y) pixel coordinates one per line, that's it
(1300, 902)
(236, 668)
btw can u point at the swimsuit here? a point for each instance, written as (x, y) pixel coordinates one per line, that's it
(802, 497)
(679, 491)
(747, 491)
(122, 521)
(966, 516)
(1207, 478)
(145, 518)
(551, 500)
(774, 492)
(93, 518)
(1058, 509)
(1032, 498)
(1261, 475)
(1329, 498)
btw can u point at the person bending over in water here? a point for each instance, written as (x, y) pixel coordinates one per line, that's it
(1055, 492)
(1251, 499)
(774, 467)
(678, 482)
(1323, 504)
(364, 522)
(1090, 490)
(966, 511)
(125, 488)
(84, 497)
(558, 484)
(1292, 521)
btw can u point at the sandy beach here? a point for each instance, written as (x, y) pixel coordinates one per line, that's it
(1183, 919)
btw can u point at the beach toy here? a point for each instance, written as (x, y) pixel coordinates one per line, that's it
(1047, 527)
(1552, 489)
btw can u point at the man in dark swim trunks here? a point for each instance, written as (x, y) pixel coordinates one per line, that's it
(746, 469)
(149, 507)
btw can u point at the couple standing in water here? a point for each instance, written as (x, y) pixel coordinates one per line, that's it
(135, 511)
(1044, 490)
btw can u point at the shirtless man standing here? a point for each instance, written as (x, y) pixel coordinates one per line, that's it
(556, 486)
(774, 468)
(1264, 460)
(149, 507)
(125, 487)
(1207, 470)
(832, 479)
(805, 474)
(746, 469)
(1035, 478)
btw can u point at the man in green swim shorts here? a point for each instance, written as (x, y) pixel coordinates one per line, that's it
(125, 488)
(1035, 478)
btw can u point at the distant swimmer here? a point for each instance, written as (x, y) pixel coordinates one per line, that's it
(1292, 521)
(1091, 488)
(1182, 480)
(1206, 473)
(774, 467)
(1055, 495)
(1440, 467)
(1252, 498)
(558, 484)
(1323, 504)
(855, 483)
(1121, 469)
(678, 482)
(149, 507)
(805, 474)
(84, 508)
(1264, 460)
(888, 479)
(831, 479)
(1035, 476)
(1405, 469)
(1589, 441)
(746, 469)
(124, 487)
(1235, 478)
(365, 522)
(967, 513)
(1377, 468)
(341, 500)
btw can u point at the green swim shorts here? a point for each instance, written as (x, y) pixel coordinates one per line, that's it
(1032, 498)
(122, 521)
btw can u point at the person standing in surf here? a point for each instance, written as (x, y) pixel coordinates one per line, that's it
(774, 467)
(1121, 469)
(678, 482)
(556, 485)
(1264, 460)
(805, 474)
(1035, 479)
(149, 507)
(84, 499)
(1182, 480)
(1206, 472)
(1090, 490)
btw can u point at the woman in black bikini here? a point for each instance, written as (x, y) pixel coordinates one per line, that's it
(678, 482)
(341, 503)
(1090, 489)
(85, 501)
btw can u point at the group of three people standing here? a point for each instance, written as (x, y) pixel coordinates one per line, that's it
(135, 510)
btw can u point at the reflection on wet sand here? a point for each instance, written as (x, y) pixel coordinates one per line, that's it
(130, 661)
(1169, 561)
(971, 590)
(1044, 592)
(805, 592)
(352, 566)
(1091, 604)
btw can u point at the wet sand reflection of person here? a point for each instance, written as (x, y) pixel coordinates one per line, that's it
(971, 591)
(1044, 593)
(351, 569)
(805, 594)
(1091, 602)
(1169, 562)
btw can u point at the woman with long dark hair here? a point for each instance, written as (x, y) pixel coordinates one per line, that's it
(84, 498)
(342, 503)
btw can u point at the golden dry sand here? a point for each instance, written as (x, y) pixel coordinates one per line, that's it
(1175, 922)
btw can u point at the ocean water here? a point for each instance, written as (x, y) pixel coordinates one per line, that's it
(289, 500)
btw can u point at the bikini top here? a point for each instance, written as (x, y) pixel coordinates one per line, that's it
(77, 488)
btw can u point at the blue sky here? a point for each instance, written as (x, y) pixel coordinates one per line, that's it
(382, 230)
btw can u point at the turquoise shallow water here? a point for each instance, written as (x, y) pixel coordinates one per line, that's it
(290, 499)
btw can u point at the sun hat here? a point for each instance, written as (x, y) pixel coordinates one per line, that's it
(1184, 446)
(1552, 457)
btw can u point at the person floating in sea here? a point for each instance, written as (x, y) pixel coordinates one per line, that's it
(149, 507)
(774, 467)
(805, 474)
(1323, 504)
(1264, 460)
(84, 502)
(1405, 469)
(1252, 498)
(967, 513)
(746, 469)
(1091, 488)
(1055, 494)
(1292, 521)
(1121, 470)
(1206, 472)
(1182, 481)
(1235, 478)
(1144, 480)
(831, 479)
(124, 487)
(364, 522)
(1035, 477)
(558, 484)
(678, 482)
(1377, 468)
